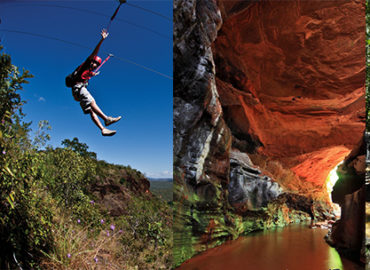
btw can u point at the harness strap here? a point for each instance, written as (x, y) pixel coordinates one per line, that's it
(105, 60)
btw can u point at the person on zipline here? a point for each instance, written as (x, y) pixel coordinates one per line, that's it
(80, 78)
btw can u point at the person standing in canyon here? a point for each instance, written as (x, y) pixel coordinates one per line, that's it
(78, 81)
(311, 212)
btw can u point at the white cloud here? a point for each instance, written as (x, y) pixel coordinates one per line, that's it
(42, 99)
(163, 174)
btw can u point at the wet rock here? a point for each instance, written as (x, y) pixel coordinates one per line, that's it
(201, 137)
(266, 78)
(349, 192)
(198, 125)
(297, 202)
(248, 188)
(348, 233)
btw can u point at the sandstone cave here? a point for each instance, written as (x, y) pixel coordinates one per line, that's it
(269, 98)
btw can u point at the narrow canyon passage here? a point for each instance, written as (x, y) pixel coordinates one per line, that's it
(289, 248)
(269, 97)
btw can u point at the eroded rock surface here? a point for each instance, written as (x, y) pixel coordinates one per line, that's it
(201, 138)
(268, 99)
(290, 75)
(348, 234)
(248, 189)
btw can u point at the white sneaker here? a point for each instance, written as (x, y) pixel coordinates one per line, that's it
(111, 120)
(108, 132)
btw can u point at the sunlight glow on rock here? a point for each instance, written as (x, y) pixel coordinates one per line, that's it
(332, 178)
(330, 182)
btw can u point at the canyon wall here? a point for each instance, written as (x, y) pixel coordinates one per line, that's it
(268, 99)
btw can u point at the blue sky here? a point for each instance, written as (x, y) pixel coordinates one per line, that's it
(142, 97)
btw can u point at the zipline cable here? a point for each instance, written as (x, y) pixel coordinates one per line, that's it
(43, 36)
(144, 67)
(115, 13)
(83, 46)
(129, 4)
(150, 11)
(101, 14)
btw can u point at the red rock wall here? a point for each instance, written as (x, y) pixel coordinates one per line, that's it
(348, 233)
(279, 82)
(290, 75)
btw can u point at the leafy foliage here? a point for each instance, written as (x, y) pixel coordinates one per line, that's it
(80, 148)
(24, 215)
(67, 175)
(48, 214)
(148, 226)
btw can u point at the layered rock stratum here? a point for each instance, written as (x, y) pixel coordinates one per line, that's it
(269, 97)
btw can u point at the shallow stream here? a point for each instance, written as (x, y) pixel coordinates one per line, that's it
(294, 247)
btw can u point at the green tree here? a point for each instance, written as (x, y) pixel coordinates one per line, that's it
(68, 175)
(79, 147)
(24, 217)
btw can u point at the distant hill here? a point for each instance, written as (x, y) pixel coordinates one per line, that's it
(161, 179)
(162, 187)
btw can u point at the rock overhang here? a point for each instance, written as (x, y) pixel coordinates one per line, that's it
(291, 79)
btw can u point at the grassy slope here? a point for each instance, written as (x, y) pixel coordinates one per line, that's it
(142, 226)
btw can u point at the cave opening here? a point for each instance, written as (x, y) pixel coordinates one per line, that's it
(330, 182)
(283, 107)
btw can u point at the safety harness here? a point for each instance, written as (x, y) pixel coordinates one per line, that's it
(76, 76)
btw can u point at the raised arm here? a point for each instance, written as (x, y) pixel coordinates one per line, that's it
(85, 65)
(104, 35)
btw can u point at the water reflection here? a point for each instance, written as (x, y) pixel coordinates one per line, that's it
(291, 248)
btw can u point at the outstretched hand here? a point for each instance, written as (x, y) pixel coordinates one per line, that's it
(104, 34)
